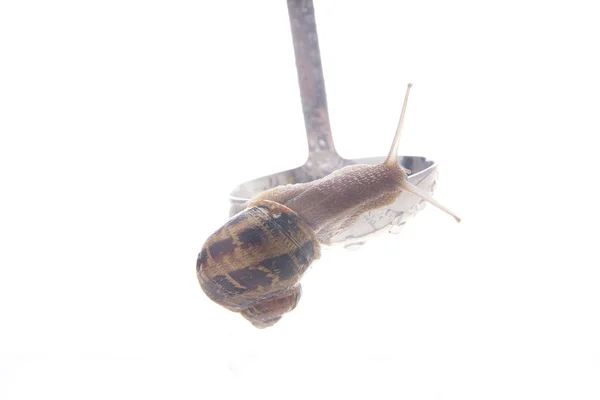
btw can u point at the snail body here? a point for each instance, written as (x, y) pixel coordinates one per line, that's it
(253, 264)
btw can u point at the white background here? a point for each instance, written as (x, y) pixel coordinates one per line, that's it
(124, 125)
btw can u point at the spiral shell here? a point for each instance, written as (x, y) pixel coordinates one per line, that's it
(254, 263)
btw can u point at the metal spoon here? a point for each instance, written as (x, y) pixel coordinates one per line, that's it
(322, 157)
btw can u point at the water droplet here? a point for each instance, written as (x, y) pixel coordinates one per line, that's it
(396, 229)
(354, 246)
(433, 187)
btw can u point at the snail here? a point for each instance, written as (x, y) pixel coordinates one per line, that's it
(253, 264)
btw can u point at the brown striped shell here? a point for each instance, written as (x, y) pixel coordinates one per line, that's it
(253, 264)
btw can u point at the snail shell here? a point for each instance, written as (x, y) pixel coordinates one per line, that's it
(253, 264)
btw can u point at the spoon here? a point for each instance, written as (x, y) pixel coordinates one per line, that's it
(322, 156)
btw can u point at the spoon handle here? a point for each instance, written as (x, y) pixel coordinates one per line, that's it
(310, 80)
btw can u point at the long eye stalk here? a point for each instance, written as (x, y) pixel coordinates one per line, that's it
(392, 158)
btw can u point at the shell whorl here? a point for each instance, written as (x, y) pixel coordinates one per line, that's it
(254, 263)
(267, 312)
